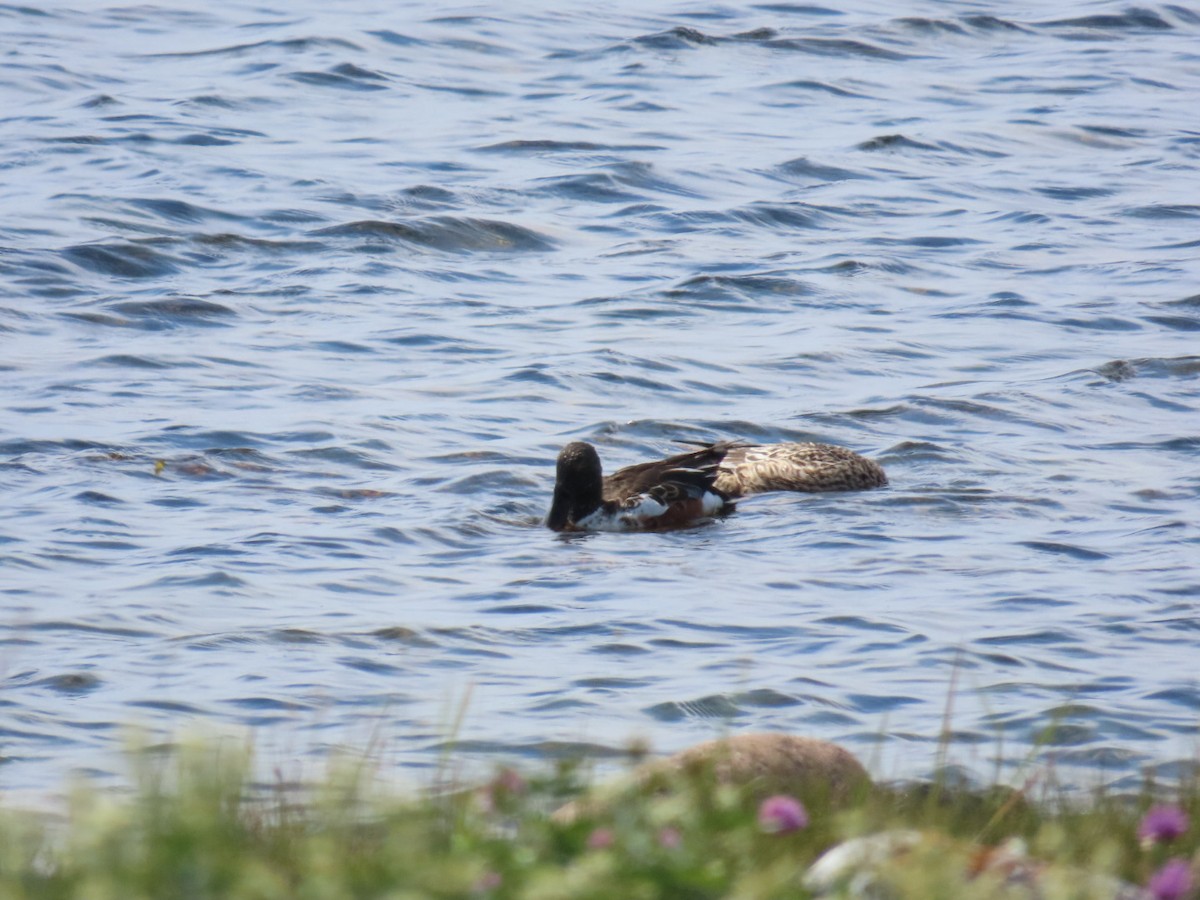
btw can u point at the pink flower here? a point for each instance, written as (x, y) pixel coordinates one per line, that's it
(1172, 881)
(600, 838)
(498, 792)
(488, 881)
(509, 781)
(670, 837)
(1162, 824)
(781, 814)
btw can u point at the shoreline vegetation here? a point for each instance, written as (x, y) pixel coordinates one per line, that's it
(751, 816)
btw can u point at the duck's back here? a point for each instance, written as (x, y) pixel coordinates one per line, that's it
(756, 468)
(698, 468)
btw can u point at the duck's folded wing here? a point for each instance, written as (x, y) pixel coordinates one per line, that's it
(698, 467)
(756, 469)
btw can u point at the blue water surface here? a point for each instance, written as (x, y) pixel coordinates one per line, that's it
(299, 301)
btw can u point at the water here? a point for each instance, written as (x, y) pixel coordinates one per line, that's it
(299, 301)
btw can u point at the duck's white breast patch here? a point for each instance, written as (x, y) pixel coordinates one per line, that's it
(642, 509)
(628, 518)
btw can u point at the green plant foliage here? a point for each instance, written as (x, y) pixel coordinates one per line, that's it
(197, 826)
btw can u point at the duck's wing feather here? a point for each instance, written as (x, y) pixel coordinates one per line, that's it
(756, 468)
(683, 476)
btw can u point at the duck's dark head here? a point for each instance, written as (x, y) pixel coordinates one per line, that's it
(578, 485)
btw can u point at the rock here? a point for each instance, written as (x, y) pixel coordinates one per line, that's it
(760, 764)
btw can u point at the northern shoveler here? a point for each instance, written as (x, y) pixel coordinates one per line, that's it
(687, 487)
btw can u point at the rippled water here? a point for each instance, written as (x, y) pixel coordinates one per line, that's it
(298, 303)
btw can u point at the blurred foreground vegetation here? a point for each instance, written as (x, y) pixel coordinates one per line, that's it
(197, 826)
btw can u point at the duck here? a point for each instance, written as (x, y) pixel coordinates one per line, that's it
(691, 487)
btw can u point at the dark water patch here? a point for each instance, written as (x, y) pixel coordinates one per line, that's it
(1187, 698)
(81, 628)
(347, 456)
(738, 289)
(209, 466)
(520, 609)
(921, 452)
(1031, 602)
(1192, 302)
(619, 649)
(805, 171)
(173, 210)
(610, 683)
(797, 9)
(72, 683)
(1164, 211)
(207, 551)
(1133, 19)
(269, 704)
(1045, 637)
(764, 215)
(288, 45)
(297, 636)
(165, 313)
(929, 242)
(447, 233)
(128, 361)
(122, 260)
(1176, 323)
(644, 176)
(538, 147)
(1075, 193)
(231, 241)
(596, 187)
(443, 344)
(1151, 367)
(859, 623)
(1113, 131)
(174, 707)
(922, 25)
(370, 666)
(1100, 323)
(1060, 549)
(217, 581)
(431, 196)
(347, 77)
(22, 446)
(462, 90)
(486, 481)
(77, 139)
(210, 100)
(100, 101)
(766, 698)
(537, 750)
(1116, 370)
(208, 139)
(877, 704)
(838, 48)
(12, 10)
(894, 142)
(713, 706)
(992, 23)
(95, 498)
(1102, 759)
(817, 86)
(396, 39)
(679, 38)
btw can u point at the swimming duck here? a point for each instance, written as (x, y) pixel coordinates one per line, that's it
(698, 484)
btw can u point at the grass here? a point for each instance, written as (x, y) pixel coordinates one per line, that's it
(197, 826)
